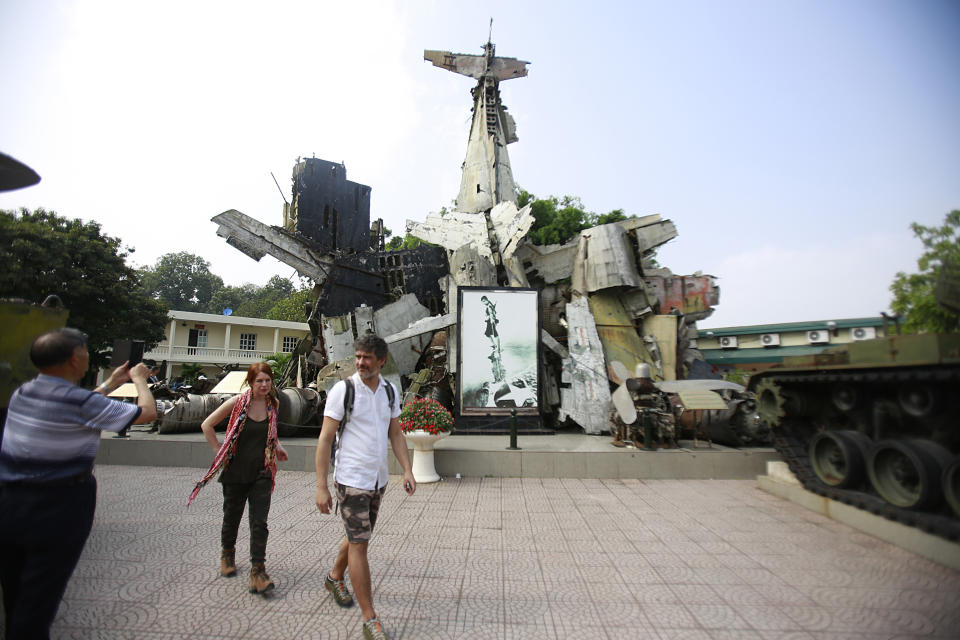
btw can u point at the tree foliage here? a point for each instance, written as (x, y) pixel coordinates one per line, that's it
(182, 281)
(398, 243)
(913, 293)
(48, 254)
(557, 220)
(292, 307)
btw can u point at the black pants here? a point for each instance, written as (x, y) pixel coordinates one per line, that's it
(42, 534)
(235, 496)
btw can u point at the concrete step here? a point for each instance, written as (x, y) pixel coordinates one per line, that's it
(556, 456)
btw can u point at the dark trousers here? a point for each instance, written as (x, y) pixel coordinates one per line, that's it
(235, 496)
(42, 534)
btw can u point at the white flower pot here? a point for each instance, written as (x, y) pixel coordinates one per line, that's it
(423, 467)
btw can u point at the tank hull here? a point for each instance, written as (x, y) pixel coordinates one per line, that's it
(874, 425)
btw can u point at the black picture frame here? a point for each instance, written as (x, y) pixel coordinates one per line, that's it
(498, 351)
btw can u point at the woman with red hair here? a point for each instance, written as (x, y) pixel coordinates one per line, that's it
(247, 462)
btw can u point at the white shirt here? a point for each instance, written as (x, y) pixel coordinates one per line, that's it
(362, 458)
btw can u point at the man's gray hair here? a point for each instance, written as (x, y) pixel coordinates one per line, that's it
(371, 343)
(55, 347)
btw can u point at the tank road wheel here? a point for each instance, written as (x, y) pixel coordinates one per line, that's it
(907, 473)
(919, 401)
(951, 486)
(845, 397)
(770, 402)
(839, 457)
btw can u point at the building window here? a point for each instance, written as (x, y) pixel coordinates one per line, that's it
(201, 337)
(290, 343)
(248, 342)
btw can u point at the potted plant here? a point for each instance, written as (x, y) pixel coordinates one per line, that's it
(423, 421)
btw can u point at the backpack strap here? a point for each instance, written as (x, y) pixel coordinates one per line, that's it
(348, 395)
(391, 394)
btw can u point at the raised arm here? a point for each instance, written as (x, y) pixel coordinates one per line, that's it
(148, 406)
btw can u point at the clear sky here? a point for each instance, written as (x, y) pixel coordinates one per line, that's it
(791, 142)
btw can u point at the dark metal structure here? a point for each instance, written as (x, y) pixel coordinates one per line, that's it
(331, 212)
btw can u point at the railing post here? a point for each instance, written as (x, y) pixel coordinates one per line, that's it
(513, 430)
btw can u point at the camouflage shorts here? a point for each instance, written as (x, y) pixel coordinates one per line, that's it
(359, 509)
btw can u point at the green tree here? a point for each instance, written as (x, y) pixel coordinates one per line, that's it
(557, 220)
(48, 254)
(913, 293)
(182, 281)
(262, 299)
(292, 307)
(229, 297)
(398, 243)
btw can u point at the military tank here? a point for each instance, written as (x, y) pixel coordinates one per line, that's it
(874, 424)
(21, 322)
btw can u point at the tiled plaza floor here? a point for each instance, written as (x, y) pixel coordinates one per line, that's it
(494, 558)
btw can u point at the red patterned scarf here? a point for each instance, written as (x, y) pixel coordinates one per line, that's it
(238, 418)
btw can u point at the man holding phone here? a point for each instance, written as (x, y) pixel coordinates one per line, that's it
(48, 494)
(360, 470)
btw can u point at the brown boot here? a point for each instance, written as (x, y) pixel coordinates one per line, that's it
(228, 566)
(260, 582)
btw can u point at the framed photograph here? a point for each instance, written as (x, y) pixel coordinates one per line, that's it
(499, 344)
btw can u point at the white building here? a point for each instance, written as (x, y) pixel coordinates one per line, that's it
(215, 340)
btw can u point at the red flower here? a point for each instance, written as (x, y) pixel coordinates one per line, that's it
(425, 414)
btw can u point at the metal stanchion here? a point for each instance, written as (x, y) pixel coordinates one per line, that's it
(513, 430)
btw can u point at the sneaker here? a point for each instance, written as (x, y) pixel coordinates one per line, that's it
(373, 630)
(338, 589)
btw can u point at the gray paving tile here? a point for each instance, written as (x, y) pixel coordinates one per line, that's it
(505, 558)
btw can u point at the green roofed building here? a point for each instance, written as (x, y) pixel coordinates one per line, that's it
(761, 346)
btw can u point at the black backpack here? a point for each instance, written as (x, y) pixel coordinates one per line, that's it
(348, 395)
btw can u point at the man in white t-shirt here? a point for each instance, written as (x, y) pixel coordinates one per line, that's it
(360, 471)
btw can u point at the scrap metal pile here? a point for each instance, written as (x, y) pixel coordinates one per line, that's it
(602, 298)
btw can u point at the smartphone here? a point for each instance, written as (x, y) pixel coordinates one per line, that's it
(126, 351)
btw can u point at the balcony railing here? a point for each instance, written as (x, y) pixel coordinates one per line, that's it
(206, 354)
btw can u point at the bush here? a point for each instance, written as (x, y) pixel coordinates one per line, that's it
(425, 414)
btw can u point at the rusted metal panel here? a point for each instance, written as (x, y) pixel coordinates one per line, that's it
(587, 400)
(617, 334)
(693, 296)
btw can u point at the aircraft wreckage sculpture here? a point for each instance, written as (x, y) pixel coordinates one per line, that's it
(604, 307)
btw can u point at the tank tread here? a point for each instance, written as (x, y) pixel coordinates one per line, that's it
(795, 455)
(794, 451)
(892, 375)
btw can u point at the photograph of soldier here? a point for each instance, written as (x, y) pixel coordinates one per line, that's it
(498, 348)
